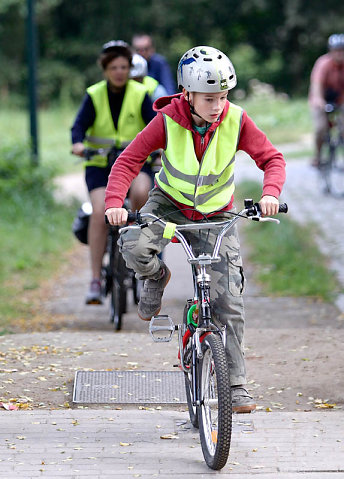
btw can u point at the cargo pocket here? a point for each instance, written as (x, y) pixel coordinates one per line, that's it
(236, 277)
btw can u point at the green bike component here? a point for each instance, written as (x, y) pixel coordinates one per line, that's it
(189, 316)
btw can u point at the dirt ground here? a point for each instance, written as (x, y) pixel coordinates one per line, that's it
(294, 347)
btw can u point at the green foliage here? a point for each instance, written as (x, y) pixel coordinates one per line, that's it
(286, 259)
(19, 177)
(250, 65)
(272, 40)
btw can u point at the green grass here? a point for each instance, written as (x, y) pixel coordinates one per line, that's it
(287, 261)
(53, 134)
(35, 232)
(282, 120)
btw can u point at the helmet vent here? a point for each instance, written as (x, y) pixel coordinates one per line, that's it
(211, 82)
(231, 77)
(208, 59)
(195, 55)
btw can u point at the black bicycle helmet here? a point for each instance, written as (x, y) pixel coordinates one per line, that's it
(80, 223)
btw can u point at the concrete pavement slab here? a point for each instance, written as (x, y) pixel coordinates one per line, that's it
(113, 443)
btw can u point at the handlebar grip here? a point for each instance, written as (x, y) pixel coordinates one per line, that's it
(133, 216)
(283, 207)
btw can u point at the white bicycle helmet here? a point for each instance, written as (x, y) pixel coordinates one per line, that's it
(139, 67)
(336, 41)
(205, 70)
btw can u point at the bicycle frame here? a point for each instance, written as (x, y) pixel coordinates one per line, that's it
(201, 341)
(199, 264)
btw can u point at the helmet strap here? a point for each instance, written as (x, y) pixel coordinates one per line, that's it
(192, 109)
(194, 112)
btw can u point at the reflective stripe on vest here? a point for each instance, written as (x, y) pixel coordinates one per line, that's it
(150, 83)
(208, 185)
(103, 133)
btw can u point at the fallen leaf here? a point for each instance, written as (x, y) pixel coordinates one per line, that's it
(169, 436)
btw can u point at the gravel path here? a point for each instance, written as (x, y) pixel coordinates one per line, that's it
(308, 204)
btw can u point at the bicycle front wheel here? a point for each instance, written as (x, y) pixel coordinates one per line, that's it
(215, 411)
(336, 172)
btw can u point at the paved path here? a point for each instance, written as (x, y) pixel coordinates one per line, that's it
(101, 444)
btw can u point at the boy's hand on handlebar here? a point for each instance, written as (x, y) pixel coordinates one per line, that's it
(78, 149)
(269, 205)
(117, 216)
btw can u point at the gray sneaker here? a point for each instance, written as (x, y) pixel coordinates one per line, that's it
(94, 295)
(241, 400)
(151, 294)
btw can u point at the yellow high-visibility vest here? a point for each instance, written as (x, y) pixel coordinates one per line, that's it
(206, 186)
(103, 134)
(150, 83)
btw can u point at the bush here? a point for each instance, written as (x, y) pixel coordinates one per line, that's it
(19, 177)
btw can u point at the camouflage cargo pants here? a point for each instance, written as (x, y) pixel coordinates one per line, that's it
(141, 247)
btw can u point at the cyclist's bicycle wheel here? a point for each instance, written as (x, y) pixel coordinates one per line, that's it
(335, 174)
(325, 166)
(137, 285)
(118, 303)
(215, 411)
(193, 410)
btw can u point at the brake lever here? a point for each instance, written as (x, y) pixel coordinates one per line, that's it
(266, 218)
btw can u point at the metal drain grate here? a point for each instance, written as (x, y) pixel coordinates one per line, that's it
(129, 387)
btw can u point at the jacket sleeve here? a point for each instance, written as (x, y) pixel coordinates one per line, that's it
(130, 162)
(84, 119)
(255, 143)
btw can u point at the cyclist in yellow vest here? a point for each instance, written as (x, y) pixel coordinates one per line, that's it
(139, 72)
(200, 132)
(113, 112)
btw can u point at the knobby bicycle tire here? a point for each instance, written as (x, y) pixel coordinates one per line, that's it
(336, 171)
(193, 410)
(215, 411)
(137, 285)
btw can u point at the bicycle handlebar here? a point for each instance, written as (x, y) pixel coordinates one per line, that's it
(111, 153)
(251, 210)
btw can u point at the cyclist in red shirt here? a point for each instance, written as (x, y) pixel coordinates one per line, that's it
(326, 86)
(200, 132)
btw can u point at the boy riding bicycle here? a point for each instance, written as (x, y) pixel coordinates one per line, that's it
(200, 132)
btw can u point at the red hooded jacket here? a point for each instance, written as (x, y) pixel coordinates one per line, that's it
(252, 140)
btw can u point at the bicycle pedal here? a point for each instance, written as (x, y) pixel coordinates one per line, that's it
(161, 328)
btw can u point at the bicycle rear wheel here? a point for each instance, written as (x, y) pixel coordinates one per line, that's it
(215, 411)
(118, 304)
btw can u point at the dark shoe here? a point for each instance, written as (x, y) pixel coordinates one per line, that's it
(94, 295)
(151, 294)
(242, 402)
